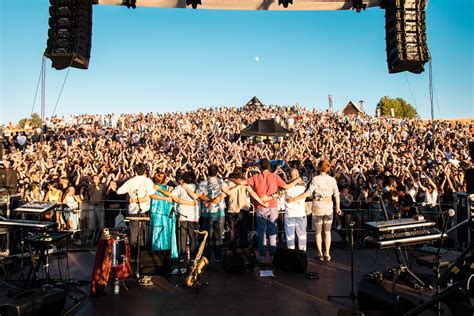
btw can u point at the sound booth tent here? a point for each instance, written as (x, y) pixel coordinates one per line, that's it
(266, 128)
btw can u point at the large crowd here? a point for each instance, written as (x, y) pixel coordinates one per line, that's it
(80, 161)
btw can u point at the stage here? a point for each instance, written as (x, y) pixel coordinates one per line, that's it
(287, 293)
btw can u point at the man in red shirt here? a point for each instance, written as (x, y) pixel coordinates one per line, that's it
(265, 184)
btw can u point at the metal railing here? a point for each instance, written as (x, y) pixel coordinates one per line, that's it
(89, 227)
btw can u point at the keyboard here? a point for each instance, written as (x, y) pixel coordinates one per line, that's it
(23, 223)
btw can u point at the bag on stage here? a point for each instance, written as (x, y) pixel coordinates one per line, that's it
(112, 259)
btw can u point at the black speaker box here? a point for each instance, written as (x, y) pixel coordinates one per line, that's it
(153, 262)
(374, 297)
(470, 181)
(239, 260)
(471, 150)
(291, 260)
(40, 302)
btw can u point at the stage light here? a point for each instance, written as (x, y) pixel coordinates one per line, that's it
(193, 3)
(358, 5)
(285, 3)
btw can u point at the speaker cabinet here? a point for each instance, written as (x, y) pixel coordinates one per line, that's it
(291, 260)
(239, 260)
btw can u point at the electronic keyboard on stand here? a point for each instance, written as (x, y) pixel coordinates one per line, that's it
(403, 231)
(26, 224)
(400, 232)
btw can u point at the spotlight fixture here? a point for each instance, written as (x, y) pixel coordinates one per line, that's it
(130, 3)
(358, 5)
(285, 3)
(193, 3)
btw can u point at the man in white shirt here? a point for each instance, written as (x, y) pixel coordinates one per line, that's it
(139, 189)
(21, 140)
(295, 215)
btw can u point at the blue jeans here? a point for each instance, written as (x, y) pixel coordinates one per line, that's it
(215, 228)
(266, 224)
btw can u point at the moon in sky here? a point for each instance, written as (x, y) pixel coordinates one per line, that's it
(257, 59)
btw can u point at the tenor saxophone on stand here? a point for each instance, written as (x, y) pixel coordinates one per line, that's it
(200, 262)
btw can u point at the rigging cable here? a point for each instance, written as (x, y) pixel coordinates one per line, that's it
(61, 92)
(411, 91)
(37, 86)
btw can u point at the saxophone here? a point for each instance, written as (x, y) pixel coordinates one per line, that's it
(199, 263)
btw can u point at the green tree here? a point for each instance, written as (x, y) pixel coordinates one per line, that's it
(34, 120)
(401, 108)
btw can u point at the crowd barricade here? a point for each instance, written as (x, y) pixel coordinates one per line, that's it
(87, 232)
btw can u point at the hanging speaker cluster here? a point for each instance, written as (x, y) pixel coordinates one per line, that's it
(70, 33)
(405, 27)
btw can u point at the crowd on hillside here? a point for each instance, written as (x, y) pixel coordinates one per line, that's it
(80, 161)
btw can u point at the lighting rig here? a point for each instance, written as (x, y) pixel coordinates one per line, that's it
(193, 3)
(358, 5)
(285, 3)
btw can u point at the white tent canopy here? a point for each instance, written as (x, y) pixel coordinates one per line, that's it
(250, 4)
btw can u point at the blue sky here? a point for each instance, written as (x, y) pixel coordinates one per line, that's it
(162, 60)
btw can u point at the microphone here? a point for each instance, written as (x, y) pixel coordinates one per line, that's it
(449, 212)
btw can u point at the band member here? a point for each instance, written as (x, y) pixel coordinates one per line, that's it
(295, 215)
(139, 189)
(188, 209)
(323, 187)
(265, 184)
(238, 212)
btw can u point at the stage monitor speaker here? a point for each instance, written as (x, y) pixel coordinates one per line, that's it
(462, 205)
(153, 262)
(69, 34)
(471, 150)
(405, 35)
(290, 260)
(42, 302)
(239, 260)
(470, 181)
(374, 297)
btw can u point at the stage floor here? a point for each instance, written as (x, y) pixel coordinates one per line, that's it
(287, 293)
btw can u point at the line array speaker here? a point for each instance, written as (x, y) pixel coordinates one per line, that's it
(405, 30)
(69, 34)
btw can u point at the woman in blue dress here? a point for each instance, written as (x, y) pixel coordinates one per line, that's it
(162, 226)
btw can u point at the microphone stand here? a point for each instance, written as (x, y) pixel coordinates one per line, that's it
(173, 211)
(140, 214)
(437, 258)
(352, 296)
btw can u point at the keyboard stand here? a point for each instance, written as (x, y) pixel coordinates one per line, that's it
(403, 268)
